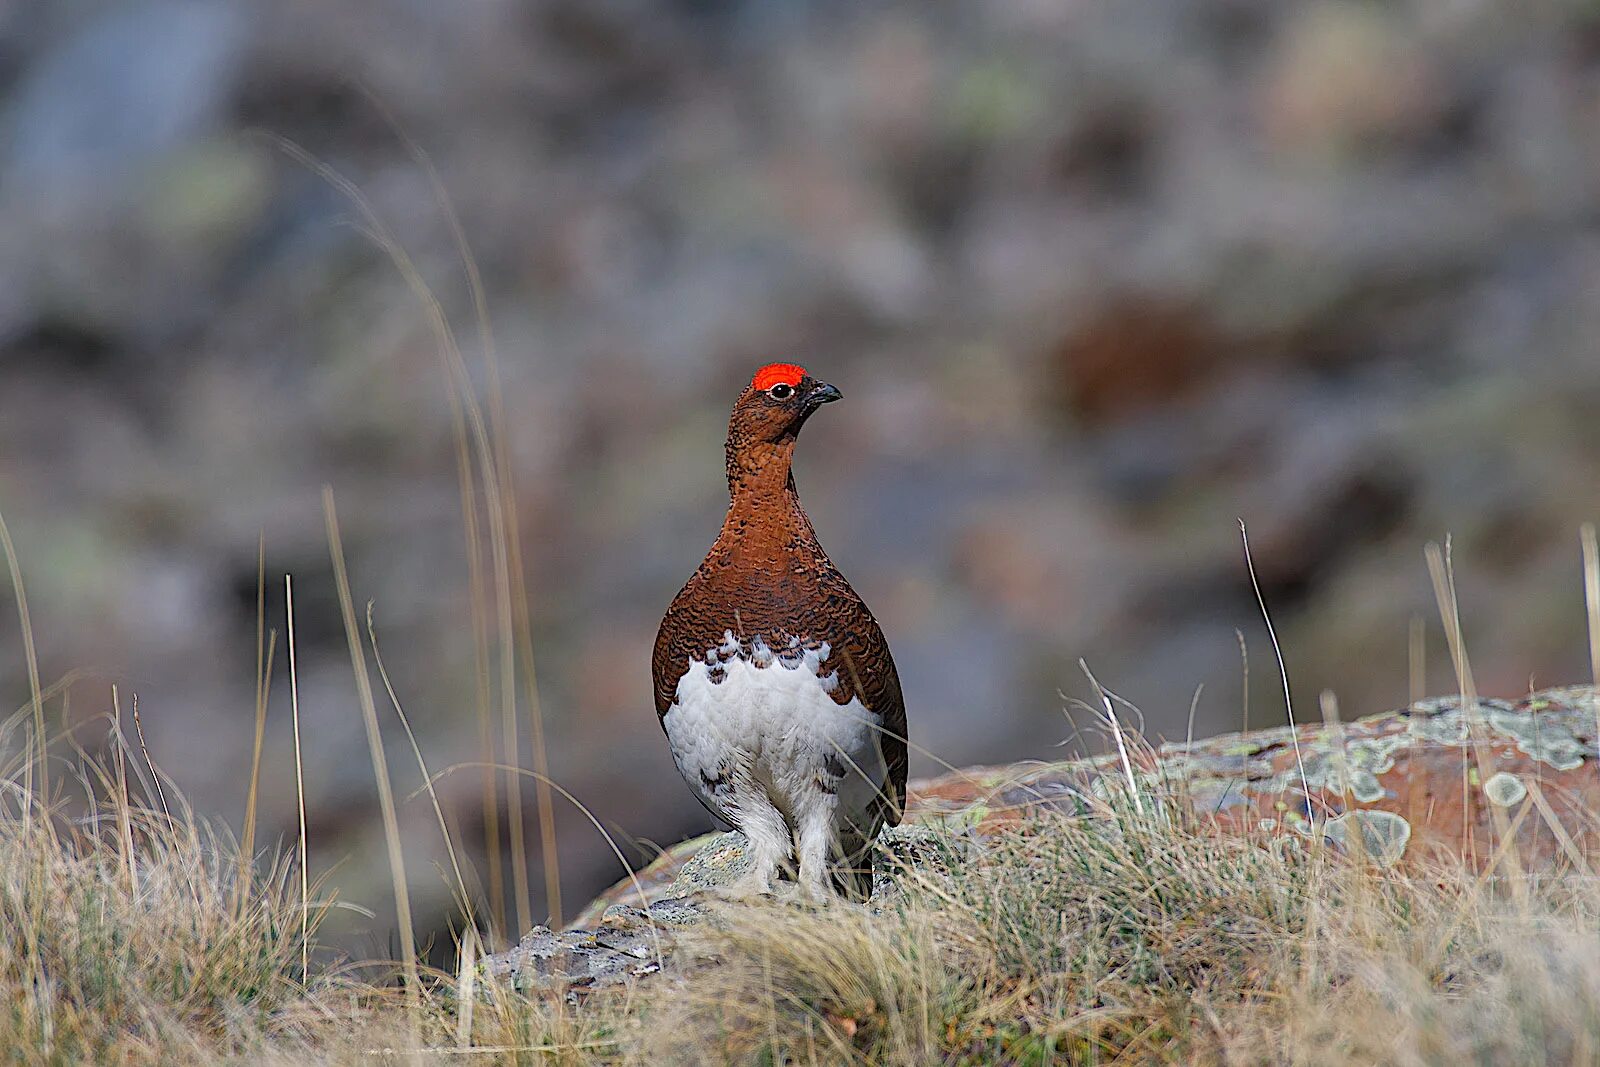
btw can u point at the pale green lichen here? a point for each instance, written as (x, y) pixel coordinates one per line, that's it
(1505, 789)
(1384, 835)
(1354, 769)
(1549, 733)
(967, 818)
(719, 862)
(1545, 737)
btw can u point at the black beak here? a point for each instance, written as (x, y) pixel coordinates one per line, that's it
(822, 393)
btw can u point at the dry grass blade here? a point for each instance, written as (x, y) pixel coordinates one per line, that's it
(380, 766)
(1116, 732)
(502, 469)
(1283, 671)
(122, 804)
(31, 657)
(155, 775)
(247, 841)
(463, 897)
(466, 992)
(1244, 681)
(1442, 572)
(1591, 602)
(299, 778)
(1569, 847)
(1417, 660)
(1330, 716)
(266, 653)
(482, 703)
(488, 437)
(583, 809)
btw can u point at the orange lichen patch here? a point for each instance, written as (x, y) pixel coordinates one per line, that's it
(773, 373)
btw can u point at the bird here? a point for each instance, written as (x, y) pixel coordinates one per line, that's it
(773, 681)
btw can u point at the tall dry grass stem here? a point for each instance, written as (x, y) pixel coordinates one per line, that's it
(1591, 603)
(1116, 733)
(463, 896)
(37, 745)
(380, 764)
(1244, 682)
(121, 802)
(466, 987)
(247, 841)
(1441, 570)
(1417, 660)
(489, 446)
(1283, 671)
(155, 775)
(499, 429)
(483, 702)
(299, 777)
(266, 654)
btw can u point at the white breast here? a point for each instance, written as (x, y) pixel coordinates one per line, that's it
(748, 719)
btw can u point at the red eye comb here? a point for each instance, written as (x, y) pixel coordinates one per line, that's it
(773, 373)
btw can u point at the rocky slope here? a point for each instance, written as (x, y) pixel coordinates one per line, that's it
(1430, 780)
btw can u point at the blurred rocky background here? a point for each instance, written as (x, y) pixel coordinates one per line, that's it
(1097, 279)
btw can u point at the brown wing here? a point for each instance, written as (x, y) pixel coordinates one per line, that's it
(866, 669)
(690, 626)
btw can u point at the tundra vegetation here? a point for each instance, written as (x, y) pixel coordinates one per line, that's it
(137, 931)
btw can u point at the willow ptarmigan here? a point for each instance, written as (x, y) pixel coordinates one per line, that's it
(772, 680)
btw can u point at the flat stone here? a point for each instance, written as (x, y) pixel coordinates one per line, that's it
(628, 943)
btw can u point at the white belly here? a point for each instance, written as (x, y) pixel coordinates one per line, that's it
(753, 725)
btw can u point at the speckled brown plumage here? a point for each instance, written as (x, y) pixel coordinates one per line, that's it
(768, 578)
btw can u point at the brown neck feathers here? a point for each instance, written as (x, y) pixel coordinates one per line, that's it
(764, 505)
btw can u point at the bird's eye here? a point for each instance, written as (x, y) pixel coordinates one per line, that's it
(781, 391)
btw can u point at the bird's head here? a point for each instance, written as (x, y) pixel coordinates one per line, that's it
(776, 404)
(769, 413)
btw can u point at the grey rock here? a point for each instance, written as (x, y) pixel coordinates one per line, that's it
(628, 944)
(631, 943)
(718, 865)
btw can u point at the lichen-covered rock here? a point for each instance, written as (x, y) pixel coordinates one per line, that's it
(625, 944)
(1421, 781)
(613, 943)
(717, 862)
